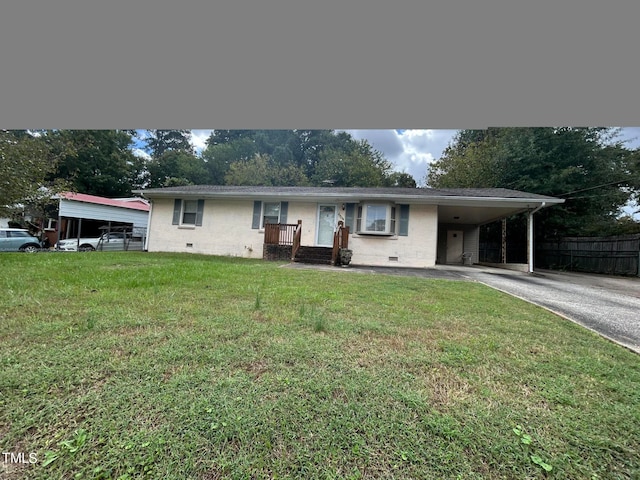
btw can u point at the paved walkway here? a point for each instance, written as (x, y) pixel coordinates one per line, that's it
(607, 305)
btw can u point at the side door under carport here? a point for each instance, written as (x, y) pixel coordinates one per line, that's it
(455, 246)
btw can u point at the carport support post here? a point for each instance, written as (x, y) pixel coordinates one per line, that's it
(530, 235)
(79, 232)
(503, 245)
(530, 242)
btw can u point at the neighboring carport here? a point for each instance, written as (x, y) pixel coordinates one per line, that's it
(460, 219)
(89, 215)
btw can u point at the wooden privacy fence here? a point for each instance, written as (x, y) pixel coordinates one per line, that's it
(618, 255)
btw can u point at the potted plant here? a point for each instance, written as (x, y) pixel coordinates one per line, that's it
(344, 256)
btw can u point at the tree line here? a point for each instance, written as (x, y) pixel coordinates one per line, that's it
(593, 171)
(105, 163)
(589, 167)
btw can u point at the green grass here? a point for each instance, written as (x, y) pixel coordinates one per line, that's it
(137, 365)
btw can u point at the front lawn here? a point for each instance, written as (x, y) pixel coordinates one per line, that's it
(172, 366)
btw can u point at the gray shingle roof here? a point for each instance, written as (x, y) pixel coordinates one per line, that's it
(345, 192)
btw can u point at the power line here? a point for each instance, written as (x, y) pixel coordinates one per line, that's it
(592, 188)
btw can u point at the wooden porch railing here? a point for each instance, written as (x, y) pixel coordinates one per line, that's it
(280, 233)
(297, 236)
(340, 240)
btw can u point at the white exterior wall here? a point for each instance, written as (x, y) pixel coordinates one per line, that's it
(417, 249)
(226, 230)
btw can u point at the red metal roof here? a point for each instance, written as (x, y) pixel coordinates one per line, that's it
(133, 204)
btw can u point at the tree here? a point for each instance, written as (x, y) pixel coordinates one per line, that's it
(355, 165)
(160, 141)
(219, 156)
(261, 170)
(100, 163)
(401, 179)
(582, 165)
(26, 163)
(176, 168)
(296, 155)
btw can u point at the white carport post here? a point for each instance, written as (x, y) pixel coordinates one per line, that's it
(530, 236)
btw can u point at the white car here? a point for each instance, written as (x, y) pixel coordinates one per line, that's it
(106, 241)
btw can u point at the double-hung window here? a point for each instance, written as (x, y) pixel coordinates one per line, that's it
(188, 212)
(268, 212)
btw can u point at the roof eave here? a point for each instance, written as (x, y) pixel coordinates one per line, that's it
(359, 196)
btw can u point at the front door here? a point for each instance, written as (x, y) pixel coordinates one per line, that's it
(326, 225)
(455, 246)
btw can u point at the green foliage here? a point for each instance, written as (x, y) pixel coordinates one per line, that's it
(100, 162)
(585, 166)
(262, 170)
(527, 442)
(176, 168)
(355, 165)
(160, 141)
(400, 179)
(27, 164)
(219, 157)
(296, 157)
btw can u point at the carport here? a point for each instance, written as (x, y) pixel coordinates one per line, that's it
(460, 219)
(89, 215)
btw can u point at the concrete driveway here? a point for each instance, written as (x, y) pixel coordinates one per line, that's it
(607, 305)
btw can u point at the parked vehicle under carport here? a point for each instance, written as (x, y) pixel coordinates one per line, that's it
(106, 241)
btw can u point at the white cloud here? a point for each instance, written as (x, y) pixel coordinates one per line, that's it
(199, 139)
(138, 152)
(411, 151)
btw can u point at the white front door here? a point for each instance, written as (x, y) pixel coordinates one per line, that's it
(455, 246)
(326, 225)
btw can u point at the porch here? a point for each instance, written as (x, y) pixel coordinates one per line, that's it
(283, 241)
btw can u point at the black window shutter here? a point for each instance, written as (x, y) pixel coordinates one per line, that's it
(284, 210)
(199, 213)
(177, 208)
(404, 220)
(349, 216)
(257, 208)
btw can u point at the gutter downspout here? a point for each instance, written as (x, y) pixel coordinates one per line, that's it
(530, 235)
